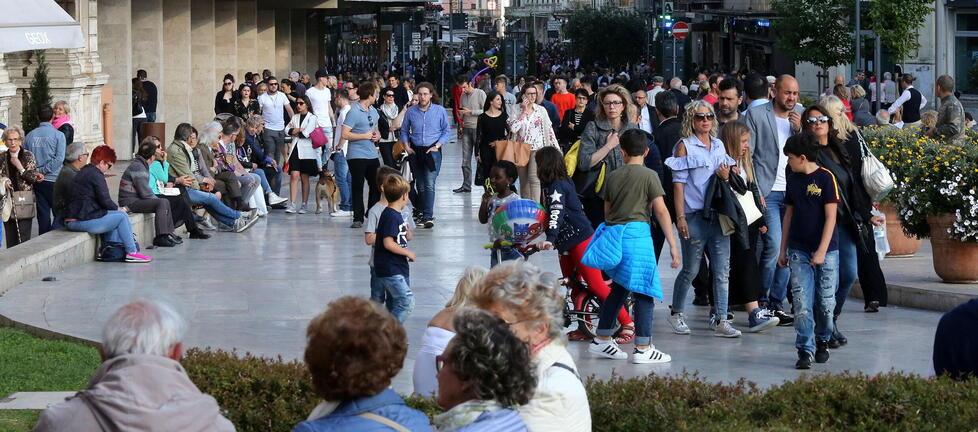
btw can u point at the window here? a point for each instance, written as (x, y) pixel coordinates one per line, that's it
(966, 53)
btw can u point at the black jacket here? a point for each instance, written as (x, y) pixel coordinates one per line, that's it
(69, 132)
(89, 195)
(568, 134)
(723, 202)
(666, 135)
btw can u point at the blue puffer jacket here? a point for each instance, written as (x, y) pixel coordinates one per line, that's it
(347, 417)
(625, 252)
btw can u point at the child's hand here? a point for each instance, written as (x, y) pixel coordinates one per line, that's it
(782, 260)
(818, 258)
(674, 252)
(411, 257)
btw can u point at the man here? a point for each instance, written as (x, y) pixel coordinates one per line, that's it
(714, 81)
(771, 125)
(152, 96)
(305, 81)
(48, 146)
(857, 79)
(646, 113)
(666, 134)
(424, 131)
(473, 99)
(950, 116)
(756, 90)
(296, 77)
(457, 103)
(657, 82)
(604, 80)
(272, 103)
(320, 97)
(729, 98)
(140, 384)
(509, 99)
(911, 100)
(549, 106)
(561, 98)
(230, 169)
(265, 75)
(889, 90)
(136, 195)
(75, 158)
(400, 93)
(682, 99)
(587, 83)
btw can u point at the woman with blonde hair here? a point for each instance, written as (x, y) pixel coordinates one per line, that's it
(861, 114)
(62, 121)
(599, 146)
(440, 331)
(842, 92)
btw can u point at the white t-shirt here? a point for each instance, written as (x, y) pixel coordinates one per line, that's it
(784, 132)
(320, 105)
(646, 122)
(273, 110)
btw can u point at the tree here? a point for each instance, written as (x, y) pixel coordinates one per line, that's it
(815, 31)
(608, 35)
(40, 94)
(896, 23)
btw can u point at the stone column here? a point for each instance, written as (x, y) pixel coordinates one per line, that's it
(247, 38)
(115, 43)
(147, 41)
(314, 54)
(283, 44)
(203, 85)
(175, 89)
(298, 41)
(226, 40)
(266, 40)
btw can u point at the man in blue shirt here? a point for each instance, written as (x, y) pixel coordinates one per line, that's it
(48, 146)
(426, 128)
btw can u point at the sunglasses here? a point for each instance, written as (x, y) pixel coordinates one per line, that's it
(300, 103)
(704, 116)
(817, 120)
(273, 84)
(228, 83)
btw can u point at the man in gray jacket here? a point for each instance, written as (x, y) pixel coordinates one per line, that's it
(950, 116)
(140, 384)
(137, 197)
(473, 100)
(771, 124)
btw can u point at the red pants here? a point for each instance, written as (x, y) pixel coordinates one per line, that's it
(572, 261)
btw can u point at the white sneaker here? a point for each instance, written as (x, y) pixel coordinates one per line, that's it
(302, 209)
(678, 323)
(726, 329)
(206, 224)
(274, 199)
(290, 209)
(650, 355)
(341, 213)
(608, 349)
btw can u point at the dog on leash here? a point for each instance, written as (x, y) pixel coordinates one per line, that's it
(326, 189)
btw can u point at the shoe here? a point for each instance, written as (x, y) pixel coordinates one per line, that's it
(678, 322)
(607, 349)
(274, 199)
(701, 301)
(462, 189)
(243, 224)
(136, 257)
(821, 352)
(290, 208)
(784, 319)
(303, 209)
(726, 330)
(872, 307)
(650, 355)
(176, 239)
(206, 224)
(356, 224)
(226, 228)
(715, 321)
(163, 241)
(199, 235)
(839, 339)
(760, 320)
(341, 213)
(429, 223)
(804, 360)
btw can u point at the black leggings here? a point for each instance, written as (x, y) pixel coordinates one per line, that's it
(182, 211)
(360, 170)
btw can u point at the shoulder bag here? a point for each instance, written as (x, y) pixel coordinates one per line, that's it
(23, 205)
(876, 177)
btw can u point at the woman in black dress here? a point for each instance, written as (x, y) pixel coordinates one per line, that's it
(491, 127)
(245, 105)
(224, 99)
(575, 120)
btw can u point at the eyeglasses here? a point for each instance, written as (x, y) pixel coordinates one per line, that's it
(817, 120)
(704, 116)
(613, 103)
(228, 83)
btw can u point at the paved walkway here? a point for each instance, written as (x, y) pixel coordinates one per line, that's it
(256, 291)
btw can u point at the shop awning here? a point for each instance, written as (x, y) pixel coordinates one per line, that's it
(35, 25)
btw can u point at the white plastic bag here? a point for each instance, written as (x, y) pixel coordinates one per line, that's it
(879, 233)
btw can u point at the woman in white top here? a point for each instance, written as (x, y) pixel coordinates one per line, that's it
(440, 331)
(519, 294)
(530, 124)
(304, 160)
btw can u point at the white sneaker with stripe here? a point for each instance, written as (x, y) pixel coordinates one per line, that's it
(650, 355)
(607, 349)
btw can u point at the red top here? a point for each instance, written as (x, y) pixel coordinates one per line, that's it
(564, 102)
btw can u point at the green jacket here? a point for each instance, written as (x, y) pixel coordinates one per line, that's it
(179, 159)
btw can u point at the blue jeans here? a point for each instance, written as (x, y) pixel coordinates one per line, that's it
(424, 180)
(848, 266)
(813, 288)
(224, 214)
(400, 299)
(114, 225)
(774, 279)
(704, 234)
(377, 292)
(263, 179)
(503, 254)
(642, 309)
(341, 170)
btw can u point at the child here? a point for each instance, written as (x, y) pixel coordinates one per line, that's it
(391, 255)
(569, 231)
(502, 176)
(810, 247)
(622, 247)
(370, 236)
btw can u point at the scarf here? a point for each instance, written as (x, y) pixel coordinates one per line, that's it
(324, 409)
(57, 122)
(464, 414)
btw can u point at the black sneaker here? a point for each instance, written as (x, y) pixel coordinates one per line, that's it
(462, 189)
(176, 239)
(199, 235)
(784, 320)
(356, 224)
(804, 360)
(164, 241)
(838, 340)
(428, 223)
(872, 307)
(821, 352)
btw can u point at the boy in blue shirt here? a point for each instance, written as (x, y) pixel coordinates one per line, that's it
(810, 247)
(391, 255)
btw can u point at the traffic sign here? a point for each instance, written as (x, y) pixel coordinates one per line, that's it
(416, 41)
(680, 30)
(667, 8)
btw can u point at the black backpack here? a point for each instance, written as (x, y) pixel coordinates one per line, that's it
(112, 252)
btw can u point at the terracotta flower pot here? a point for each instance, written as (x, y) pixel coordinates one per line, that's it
(954, 261)
(901, 245)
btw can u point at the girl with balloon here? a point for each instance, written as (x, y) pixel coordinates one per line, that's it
(498, 194)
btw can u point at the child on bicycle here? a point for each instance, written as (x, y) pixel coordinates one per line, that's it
(501, 178)
(569, 231)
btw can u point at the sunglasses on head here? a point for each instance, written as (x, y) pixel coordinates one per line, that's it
(704, 116)
(816, 120)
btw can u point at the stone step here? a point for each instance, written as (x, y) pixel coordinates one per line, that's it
(33, 400)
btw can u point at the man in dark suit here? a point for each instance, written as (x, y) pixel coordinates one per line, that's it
(675, 87)
(646, 118)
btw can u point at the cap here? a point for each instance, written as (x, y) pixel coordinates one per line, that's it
(322, 73)
(658, 79)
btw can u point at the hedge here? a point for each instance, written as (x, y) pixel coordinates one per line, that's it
(261, 394)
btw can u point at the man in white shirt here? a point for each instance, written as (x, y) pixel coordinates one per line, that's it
(319, 96)
(645, 116)
(273, 103)
(912, 101)
(657, 82)
(509, 99)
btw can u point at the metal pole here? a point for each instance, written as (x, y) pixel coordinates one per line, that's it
(877, 59)
(674, 74)
(857, 35)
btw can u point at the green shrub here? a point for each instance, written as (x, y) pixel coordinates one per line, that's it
(272, 395)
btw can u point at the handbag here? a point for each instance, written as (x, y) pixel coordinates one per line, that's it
(23, 205)
(318, 138)
(876, 177)
(514, 151)
(747, 203)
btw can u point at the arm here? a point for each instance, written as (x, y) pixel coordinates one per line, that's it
(950, 127)
(831, 212)
(288, 109)
(481, 102)
(395, 248)
(349, 135)
(679, 179)
(102, 195)
(789, 211)
(905, 96)
(923, 102)
(370, 238)
(610, 144)
(665, 223)
(484, 209)
(405, 126)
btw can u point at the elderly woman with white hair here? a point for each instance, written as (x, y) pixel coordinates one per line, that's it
(527, 300)
(140, 384)
(18, 165)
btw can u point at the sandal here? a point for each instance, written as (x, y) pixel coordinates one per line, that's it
(626, 334)
(578, 335)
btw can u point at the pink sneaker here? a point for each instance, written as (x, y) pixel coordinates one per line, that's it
(137, 258)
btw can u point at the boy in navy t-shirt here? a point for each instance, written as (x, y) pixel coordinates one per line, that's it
(810, 247)
(391, 255)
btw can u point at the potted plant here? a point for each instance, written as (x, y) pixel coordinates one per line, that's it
(900, 151)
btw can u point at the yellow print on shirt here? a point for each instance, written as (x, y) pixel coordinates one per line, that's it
(814, 190)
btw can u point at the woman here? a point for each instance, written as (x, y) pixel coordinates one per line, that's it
(519, 294)
(261, 89)
(842, 92)
(440, 331)
(575, 121)
(695, 160)
(360, 132)
(490, 127)
(388, 113)
(62, 121)
(165, 187)
(245, 106)
(224, 99)
(860, 107)
(91, 210)
(352, 366)
(531, 125)
(599, 147)
(18, 165)
(469, 372)
(139, 98)
(304, 160)
(186, 159)
(254, 152)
